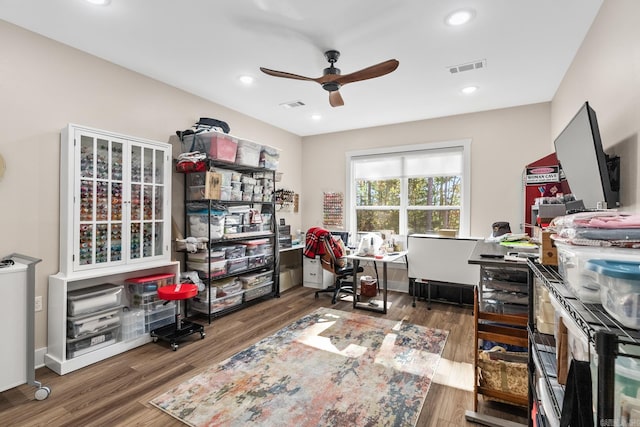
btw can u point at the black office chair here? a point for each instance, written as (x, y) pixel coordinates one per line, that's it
(343, 273)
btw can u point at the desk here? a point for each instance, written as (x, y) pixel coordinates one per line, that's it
(386, 260)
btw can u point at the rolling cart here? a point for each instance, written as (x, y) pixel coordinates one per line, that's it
(42, 392)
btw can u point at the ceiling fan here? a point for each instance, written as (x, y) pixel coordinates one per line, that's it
(332, 80)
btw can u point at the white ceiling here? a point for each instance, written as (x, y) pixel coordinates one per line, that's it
(203, 46)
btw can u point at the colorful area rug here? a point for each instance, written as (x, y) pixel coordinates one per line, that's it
(328, 368)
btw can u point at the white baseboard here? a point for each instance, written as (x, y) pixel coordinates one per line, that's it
(39, 357)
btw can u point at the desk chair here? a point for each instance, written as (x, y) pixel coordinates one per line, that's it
(343, 281)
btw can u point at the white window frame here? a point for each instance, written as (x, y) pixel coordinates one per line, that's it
(465, 196)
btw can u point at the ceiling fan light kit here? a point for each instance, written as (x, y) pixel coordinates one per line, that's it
(332, 80)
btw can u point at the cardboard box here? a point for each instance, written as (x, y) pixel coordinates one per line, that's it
(212, 185)
(548, 252)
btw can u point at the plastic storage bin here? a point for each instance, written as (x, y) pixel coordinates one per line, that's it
(216, 145)
(93, 299)
(235, 251)
(248, 153)
(217, 304)
(627, 391)
(256, 247)
(92, 323)
(83, 345)
(269, 157)
(147, 301)
(572, 267)
(201, 223)
(252, 280)
(211, 256)
(258, 291)
(132, 324)
(237, 265)
(161, 316)
(213, 269)
(620, 289)
(229, 287)
(143, 284)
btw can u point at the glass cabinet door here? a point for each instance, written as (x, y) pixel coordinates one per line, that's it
(120, 201)
(147, 202)
(100, 207)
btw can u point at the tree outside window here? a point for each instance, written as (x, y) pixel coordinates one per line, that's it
(409, 192)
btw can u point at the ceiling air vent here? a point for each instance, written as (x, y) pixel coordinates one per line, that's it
(292, 104)
(475, 65)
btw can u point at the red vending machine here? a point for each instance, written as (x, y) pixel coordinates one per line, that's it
(543, 178)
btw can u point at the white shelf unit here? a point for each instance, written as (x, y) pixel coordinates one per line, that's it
(115, 210)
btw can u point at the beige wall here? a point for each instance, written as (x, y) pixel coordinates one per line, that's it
(606, 72)
(43, 86)
(503, 142)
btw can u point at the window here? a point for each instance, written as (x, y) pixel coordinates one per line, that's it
(416, 189)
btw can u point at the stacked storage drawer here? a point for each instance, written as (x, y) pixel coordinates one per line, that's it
(284, 238)
(143, 295)
(93, 318)
(504, 291)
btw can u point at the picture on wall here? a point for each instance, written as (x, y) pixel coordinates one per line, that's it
(333, 209)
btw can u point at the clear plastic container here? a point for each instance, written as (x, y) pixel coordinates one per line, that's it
(144, 284)
(213, 269)
(83, 345)
(572, 267)
(620, 292)
(258, 291)
(132, 324)
(269, 157)
(92, 323)
(218, 304)
(93, 299)
(256, 279)
(203, 223)
(237, 265)
(211, 256)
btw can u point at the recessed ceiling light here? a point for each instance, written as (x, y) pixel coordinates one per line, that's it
(469, 90)
(316, 116)
(246, 80)
(460, 17)
(99, 2)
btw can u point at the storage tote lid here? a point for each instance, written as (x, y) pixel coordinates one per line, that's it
(627, 270)
(151, 278)
(106, 288)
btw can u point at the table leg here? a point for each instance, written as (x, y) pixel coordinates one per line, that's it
(356, 265)
(384, 286)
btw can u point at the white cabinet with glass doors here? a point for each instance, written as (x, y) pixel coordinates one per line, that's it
(115, 194)
(115, 211)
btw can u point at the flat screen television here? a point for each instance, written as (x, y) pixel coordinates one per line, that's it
(592, 175)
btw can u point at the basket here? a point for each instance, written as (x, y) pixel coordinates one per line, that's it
(504, 371)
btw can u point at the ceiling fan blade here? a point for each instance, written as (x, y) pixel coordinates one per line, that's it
(377, 70)
(285, 75)
(335, 99)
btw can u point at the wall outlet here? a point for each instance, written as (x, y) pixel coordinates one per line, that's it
(38, 303)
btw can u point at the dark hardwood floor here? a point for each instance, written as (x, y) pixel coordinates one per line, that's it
(116, 391)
